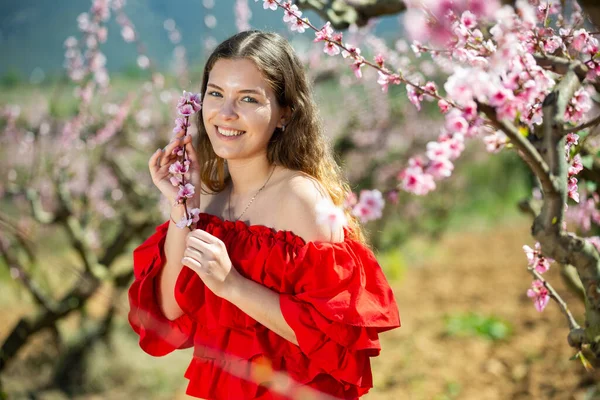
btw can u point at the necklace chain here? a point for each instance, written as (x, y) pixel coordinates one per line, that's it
(259, 190)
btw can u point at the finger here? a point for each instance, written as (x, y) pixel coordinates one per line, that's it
(199, 245)
(179, 134)
(193, 253)
(192, 263)
(168, 150)
(152, 163)
(203, 236)
(191, 152)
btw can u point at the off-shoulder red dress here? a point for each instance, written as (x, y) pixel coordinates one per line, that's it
(333, 295)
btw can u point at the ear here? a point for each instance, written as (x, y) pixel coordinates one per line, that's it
(285, 117)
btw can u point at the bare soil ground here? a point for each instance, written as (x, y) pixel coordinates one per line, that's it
(483, 272)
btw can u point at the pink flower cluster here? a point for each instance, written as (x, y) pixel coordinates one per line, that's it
(536, 260)
(538, 292)
(367, 207)
(188, 104)
(586, 212)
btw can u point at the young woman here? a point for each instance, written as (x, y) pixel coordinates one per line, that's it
(275, 305)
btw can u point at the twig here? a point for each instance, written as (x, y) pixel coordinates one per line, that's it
(588, 124)
(554, 294)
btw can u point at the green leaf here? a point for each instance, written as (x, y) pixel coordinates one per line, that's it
(587, 161)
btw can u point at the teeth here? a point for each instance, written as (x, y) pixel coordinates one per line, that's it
(227, 132)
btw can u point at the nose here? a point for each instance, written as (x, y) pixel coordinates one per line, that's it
(227, 111)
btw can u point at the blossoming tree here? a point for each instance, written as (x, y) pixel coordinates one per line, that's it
(519, 76)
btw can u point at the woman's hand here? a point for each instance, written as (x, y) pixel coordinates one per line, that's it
(207, 256)
(162, 159)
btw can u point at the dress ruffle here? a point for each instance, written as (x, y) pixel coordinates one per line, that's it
(333, 295)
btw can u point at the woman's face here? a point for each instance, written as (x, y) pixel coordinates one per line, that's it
(239, 110)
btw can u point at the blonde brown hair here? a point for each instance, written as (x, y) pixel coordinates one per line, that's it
(302, 147)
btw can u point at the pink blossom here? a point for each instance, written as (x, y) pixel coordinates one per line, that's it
(455, 122)
(536, 260)
(369, 206)
(185, 192)
(331, 48)
(350, 200)
(384, 80)
(440, 168)
(194, 215)
(444, 106)
(351, 52)
(576, 165)
(356, 66)
(415, 180)
(572, 187)
(299, 25)
(414, 96)
(456, 145)
(572, 139)
(379, 60)
(324, 34)
(580, 39)
(176, 180)
(180, 125)
(330, 215)
(438, 150)
(500, 96)
(179, 168)
(539, 294)
(291, 12)
(393, 197)
(495, 142)
(552, 44)
(270, 4)
(469, 19)
(128, 33)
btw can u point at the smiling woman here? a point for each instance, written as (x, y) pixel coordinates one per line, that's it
(275, 305)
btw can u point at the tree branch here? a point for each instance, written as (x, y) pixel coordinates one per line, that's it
(592, 9)
(342, 13)
(528, 152)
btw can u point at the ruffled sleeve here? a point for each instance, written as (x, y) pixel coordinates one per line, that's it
(158, 335)
(337, 300)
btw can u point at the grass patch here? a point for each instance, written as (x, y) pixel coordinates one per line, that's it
(393, 264)
(477, 325)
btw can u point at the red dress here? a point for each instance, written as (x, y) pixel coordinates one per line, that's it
(333, 295)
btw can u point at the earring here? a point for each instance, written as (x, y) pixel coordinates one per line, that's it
(283, 128)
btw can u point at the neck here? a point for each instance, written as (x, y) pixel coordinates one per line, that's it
(247, 176)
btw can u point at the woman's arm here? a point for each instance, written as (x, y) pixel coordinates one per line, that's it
(174, 248)
(262, 304)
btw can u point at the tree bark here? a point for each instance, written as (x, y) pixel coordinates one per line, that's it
(343, 13)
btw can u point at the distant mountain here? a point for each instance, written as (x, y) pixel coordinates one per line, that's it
(32, 32)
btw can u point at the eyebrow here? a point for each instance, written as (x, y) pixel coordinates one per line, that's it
(241, 91)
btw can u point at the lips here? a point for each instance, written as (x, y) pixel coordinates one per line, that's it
(229, 132)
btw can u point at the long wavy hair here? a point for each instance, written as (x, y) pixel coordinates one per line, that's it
(303, 146)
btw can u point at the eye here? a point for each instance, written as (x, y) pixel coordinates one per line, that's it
(214, 93)
(249, 99)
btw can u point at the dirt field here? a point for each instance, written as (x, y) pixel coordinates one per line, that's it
(480, 271)
(483, 272)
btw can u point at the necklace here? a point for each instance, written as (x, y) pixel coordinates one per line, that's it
(259, 190)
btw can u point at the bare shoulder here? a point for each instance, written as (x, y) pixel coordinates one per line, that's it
(300, 195)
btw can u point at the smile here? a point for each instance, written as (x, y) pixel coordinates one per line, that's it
(229, 132)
